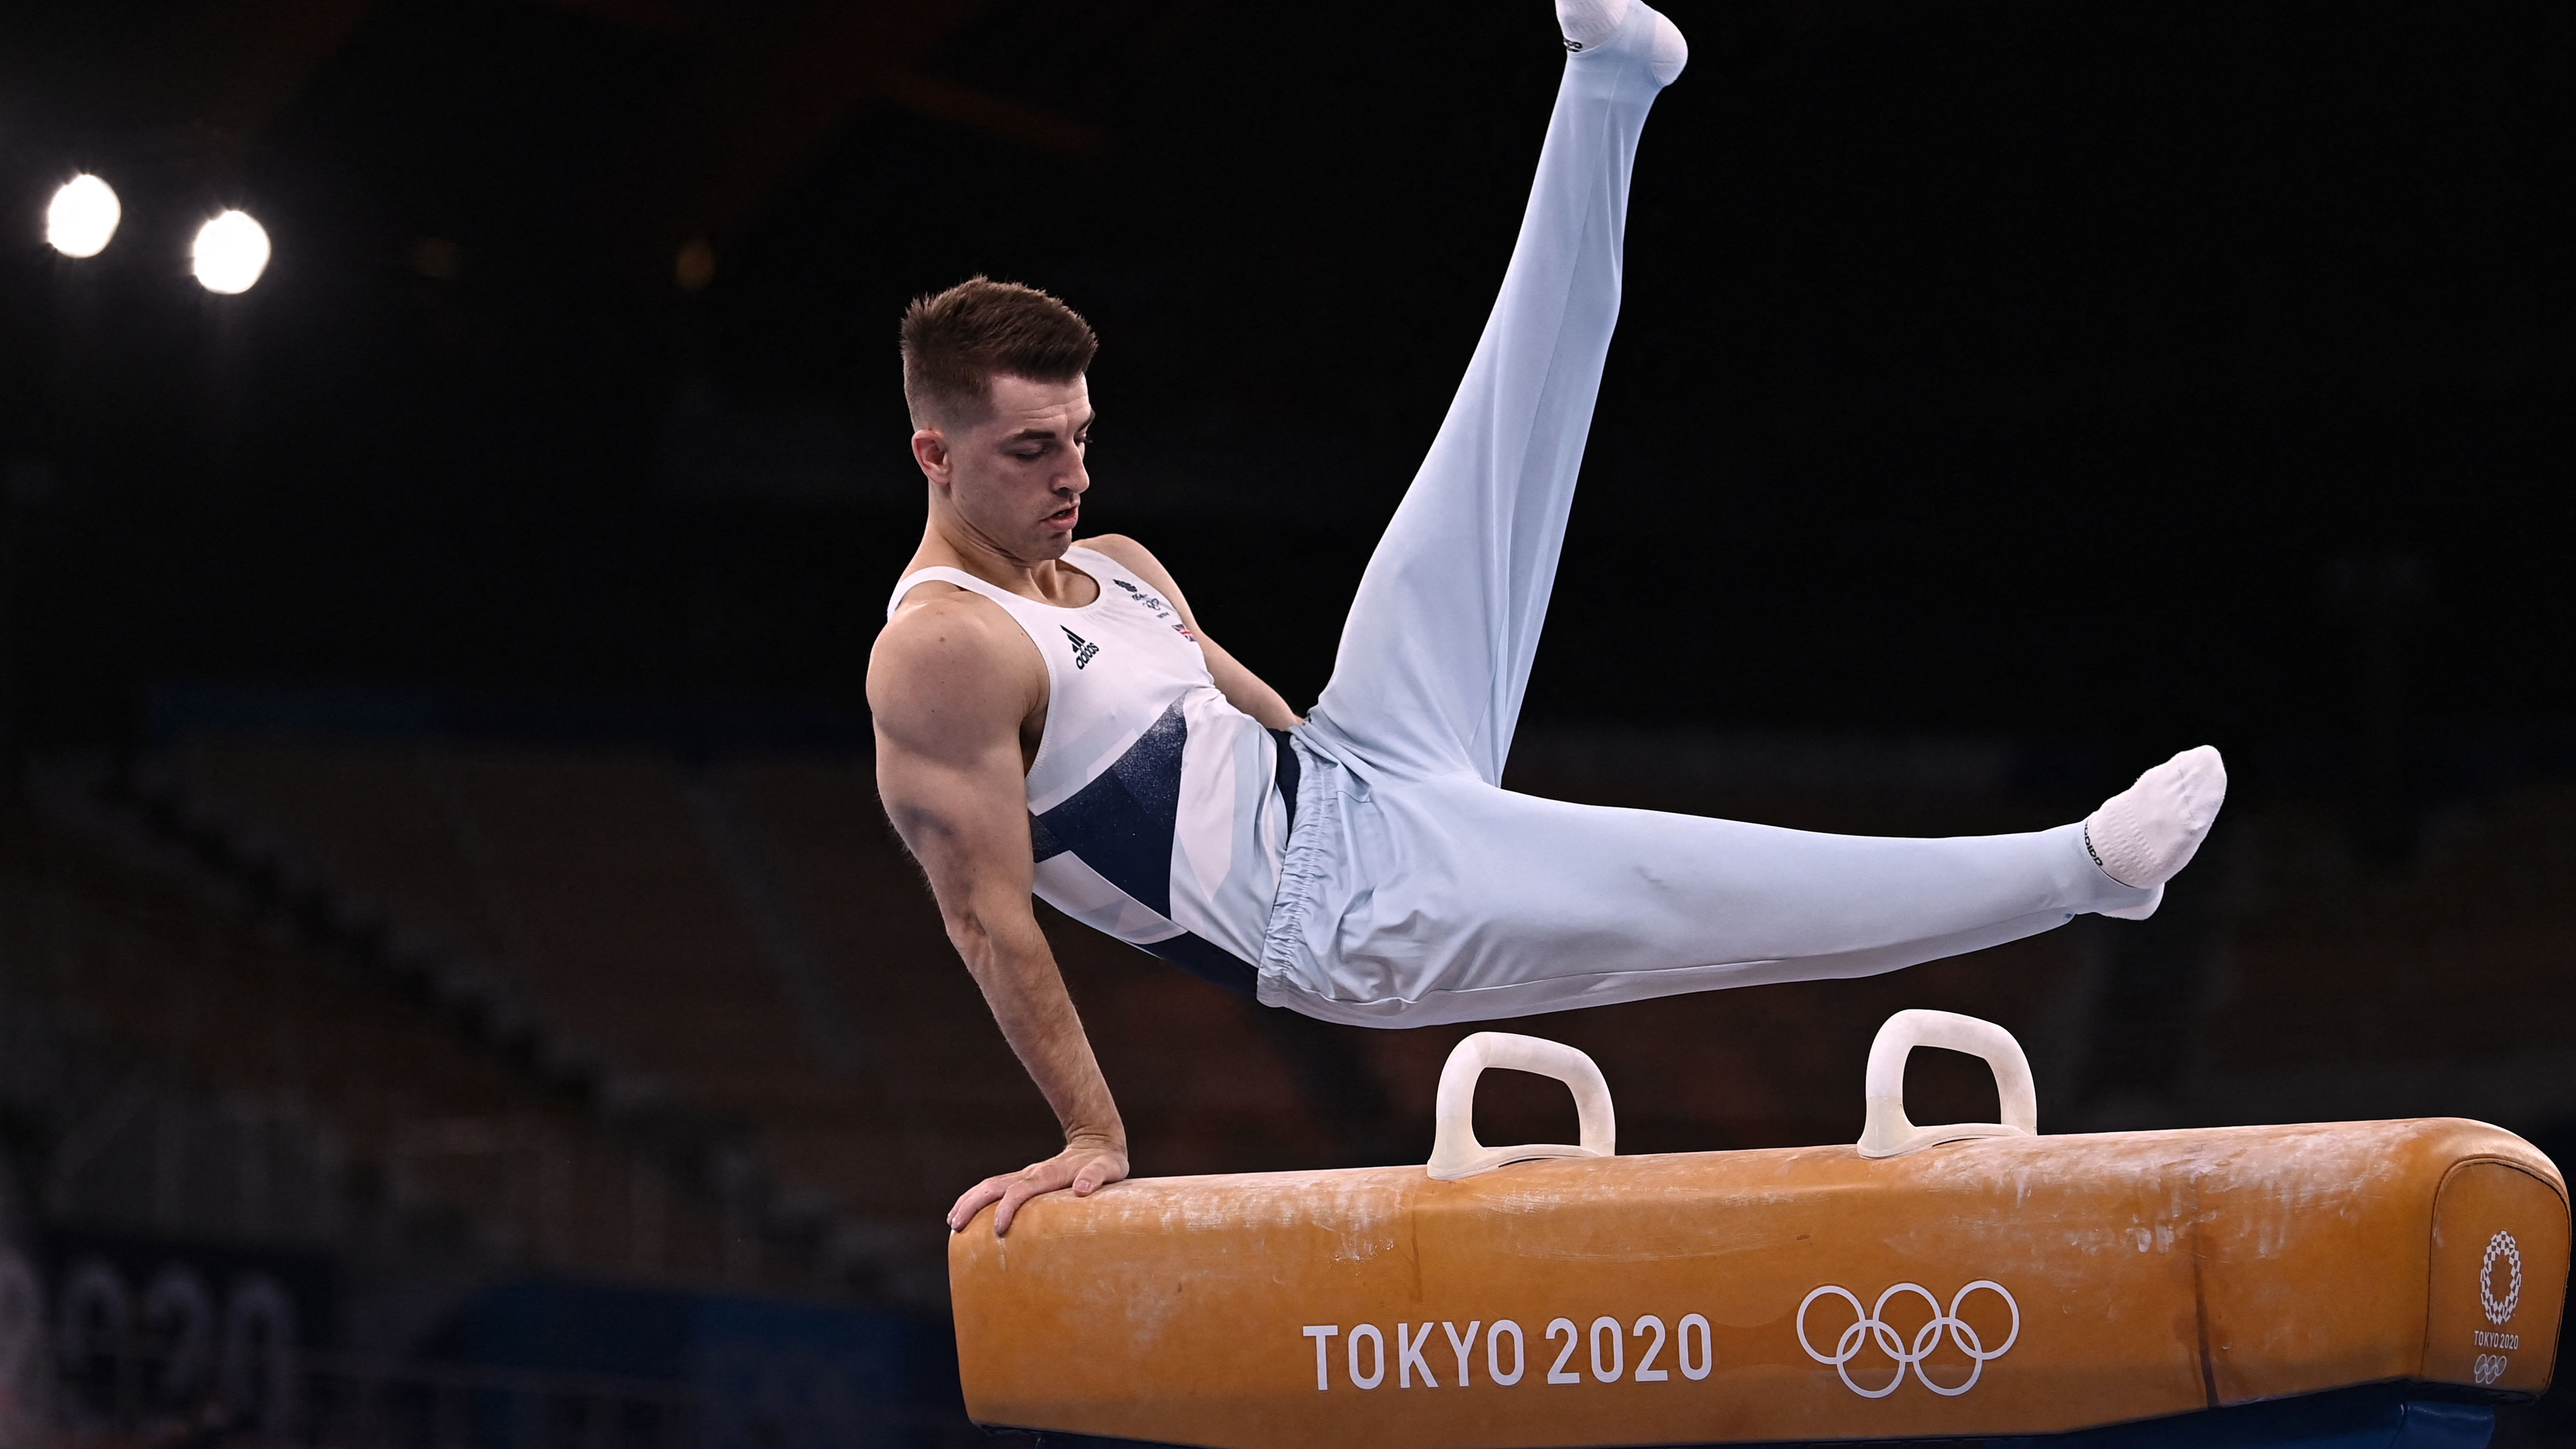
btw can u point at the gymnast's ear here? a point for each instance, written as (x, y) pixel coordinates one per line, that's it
(930, 450)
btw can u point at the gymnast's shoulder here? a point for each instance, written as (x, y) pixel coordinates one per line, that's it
(942, 637)
(1134, 555)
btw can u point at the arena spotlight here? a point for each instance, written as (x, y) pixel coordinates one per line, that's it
(231, 252)
(83, 217)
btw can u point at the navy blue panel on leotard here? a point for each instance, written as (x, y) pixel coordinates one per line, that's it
(1121, 823)
(1121, 826)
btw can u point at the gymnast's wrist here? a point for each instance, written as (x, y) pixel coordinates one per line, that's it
(1112, 1138)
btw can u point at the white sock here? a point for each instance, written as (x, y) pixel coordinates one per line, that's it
(2146, 834)
(1590, 24)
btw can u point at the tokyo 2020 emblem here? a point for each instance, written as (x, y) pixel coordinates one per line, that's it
(2500, 1249)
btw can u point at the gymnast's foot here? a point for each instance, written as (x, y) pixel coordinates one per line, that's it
(2144, 836)
(1592, 24)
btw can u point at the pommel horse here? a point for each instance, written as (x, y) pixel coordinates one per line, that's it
(2364, 1285)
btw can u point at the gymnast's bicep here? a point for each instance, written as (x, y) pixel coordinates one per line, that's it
(948, 704)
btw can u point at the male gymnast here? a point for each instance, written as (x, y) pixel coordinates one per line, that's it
(1050, 718)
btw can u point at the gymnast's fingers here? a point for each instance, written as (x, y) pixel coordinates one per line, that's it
(1041, 1177)
(975, 1199)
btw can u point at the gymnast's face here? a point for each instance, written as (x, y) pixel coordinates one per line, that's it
(1013, 479)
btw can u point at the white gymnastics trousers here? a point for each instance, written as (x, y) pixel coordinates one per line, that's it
(1414, 889)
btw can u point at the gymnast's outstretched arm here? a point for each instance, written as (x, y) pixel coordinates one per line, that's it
(952, 683)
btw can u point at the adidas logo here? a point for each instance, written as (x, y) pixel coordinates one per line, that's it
(1083, 648)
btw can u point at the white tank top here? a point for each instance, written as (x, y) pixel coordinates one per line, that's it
(1156, 808)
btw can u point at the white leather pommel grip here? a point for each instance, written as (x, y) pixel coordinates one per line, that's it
(1887, 1133)
(1455, 1152)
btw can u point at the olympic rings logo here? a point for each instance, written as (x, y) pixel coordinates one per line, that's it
(2502, 1246)
(1871, 1327)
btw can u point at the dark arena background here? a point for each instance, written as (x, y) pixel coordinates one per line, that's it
(457, 984)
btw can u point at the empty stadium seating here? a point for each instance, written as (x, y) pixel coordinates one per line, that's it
(216, 1005)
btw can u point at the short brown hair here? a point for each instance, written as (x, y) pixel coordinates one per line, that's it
(955, 343)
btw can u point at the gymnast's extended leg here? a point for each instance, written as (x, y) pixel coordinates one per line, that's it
(1455, 900)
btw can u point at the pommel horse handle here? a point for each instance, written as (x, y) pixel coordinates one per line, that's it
(1455, 1152)
(1887, 1133)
